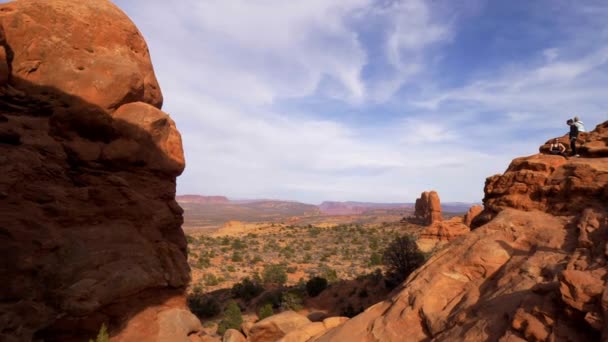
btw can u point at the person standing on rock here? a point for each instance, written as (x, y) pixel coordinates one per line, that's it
(573, 135)
(579, 124)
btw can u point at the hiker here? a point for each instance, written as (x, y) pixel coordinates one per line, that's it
(573, 135)
(579, 124)
(558, 148)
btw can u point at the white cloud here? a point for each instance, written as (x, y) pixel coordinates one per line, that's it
(224, 65)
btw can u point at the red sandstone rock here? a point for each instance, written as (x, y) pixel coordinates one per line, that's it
(473, 212)
(91, 232)
(96, 54)
(535, 269)
(428, 208)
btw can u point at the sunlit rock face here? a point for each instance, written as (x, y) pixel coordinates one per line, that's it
(533, 269)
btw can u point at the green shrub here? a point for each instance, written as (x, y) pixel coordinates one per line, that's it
(203, 306)
(265, 311)
(274, 274)
(210, 279)
(291, 300)
(237, 257)
(375, 259)
(315, 286)
(247, 289)
(232, 318)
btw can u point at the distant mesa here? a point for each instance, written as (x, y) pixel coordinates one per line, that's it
(202, 199)
(356, 208)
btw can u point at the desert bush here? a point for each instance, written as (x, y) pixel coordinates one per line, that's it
(274, 274)
(375, 259)
(292, 300)
(209, 279)
(315, 286)
(271, 297)
(402, 257)
(103, 335)
(238, 244)
(247, 289)
(230, 268)
(291, 269)
(256, 259)
(203, 306)
(265, 311)
(328, 273)
(236, 257)
(232, 318)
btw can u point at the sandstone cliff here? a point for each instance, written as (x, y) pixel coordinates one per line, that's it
(90, 229)
(534, 269)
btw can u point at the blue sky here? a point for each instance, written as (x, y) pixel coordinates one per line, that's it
(367, 100)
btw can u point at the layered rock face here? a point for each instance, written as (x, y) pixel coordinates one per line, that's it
(535, 271)
(91, 232)
(428, 208)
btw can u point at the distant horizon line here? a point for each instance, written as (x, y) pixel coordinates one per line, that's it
(324, 201)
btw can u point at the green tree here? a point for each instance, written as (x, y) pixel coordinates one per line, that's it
(232, 318)
(402, 257)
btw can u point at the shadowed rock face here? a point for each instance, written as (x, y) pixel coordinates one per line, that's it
(535, 268)
(90, 230)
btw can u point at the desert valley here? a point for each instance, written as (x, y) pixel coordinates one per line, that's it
(96, 245)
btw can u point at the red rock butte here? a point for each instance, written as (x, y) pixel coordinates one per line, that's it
(91, 232)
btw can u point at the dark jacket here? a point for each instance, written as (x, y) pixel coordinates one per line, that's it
(573, 132)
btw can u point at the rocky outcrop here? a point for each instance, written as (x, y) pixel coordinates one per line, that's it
(473, 212)
(91, 232)
(438, 231)
(534, 269)
(552, 183)
(428, 208)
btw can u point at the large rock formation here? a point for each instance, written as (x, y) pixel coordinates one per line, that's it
(428, 208)
(91, 232)
(536, 270)
(438, 231)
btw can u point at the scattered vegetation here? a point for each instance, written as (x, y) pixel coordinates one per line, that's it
(232, 318)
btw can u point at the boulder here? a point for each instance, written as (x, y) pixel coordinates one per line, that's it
(233, 335)
(277, 326)
(106, 64)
